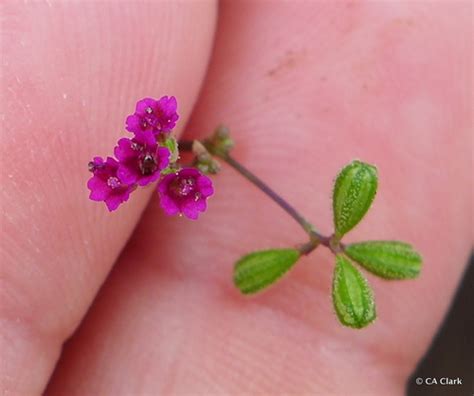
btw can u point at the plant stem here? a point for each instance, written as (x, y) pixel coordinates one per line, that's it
(268, 191)
(315, 237)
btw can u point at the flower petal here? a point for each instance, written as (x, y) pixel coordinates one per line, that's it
(190, 210)
(145, 180)
(133, 123)
(146, 138)
(163, 155)
(143, 104)
(127, 175)
(168, 205)
(123, 150)
(201, 204)
(98, 187)
(164, 183)
(113, 202)
(205, 186)
(189, 173)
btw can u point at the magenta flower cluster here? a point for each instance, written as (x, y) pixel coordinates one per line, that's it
(144, 159)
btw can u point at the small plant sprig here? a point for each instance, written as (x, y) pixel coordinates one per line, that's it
(153, 155)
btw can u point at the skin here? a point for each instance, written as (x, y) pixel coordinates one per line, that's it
(147, 301)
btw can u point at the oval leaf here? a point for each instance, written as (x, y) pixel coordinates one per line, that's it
(387, 259)
(352, 297)
(353, 194)
(257, 270)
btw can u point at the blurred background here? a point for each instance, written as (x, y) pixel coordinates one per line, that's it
(451, 354)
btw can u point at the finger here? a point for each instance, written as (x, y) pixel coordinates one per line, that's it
(71, 74)
(304, 89)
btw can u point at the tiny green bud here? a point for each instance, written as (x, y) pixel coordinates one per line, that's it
(352, 297)
(220, 142)
(387, 259)
(260, 269)
(203, 160)
(354, 191)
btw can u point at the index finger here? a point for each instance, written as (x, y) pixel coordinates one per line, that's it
(71, 74)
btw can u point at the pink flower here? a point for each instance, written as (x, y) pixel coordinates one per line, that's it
(105, 185)
(141, 159)
(185, 191)
(157, 116)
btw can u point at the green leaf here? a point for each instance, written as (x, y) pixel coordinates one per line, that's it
(353, 194)
(257, 270)
(352, 297)
(387, 259)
